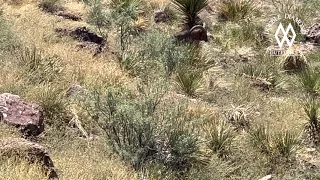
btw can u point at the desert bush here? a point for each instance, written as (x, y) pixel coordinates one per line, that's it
(155, 54)
(38, 67)
(217, 168)
(182, 144)
(219, 136)
(190, 10)
(51, 6)
(188, 81)
(234, 10)
(141, 132)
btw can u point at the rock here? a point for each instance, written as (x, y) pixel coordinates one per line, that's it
(84, 34)
(161, 16)
(74, 89)
(243, 58)
(294, 64)
(313, 34)
(32, 152)
(88, 39)
(268, 177)
(17, 112)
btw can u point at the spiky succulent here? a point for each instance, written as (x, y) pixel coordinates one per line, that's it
(190, 10)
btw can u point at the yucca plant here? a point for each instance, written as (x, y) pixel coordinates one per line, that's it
(234, 10)
(190, 10)
(311, 108)
(219, 136)
(188, 81)
(260, 138)
(309, 81)
(287, 143)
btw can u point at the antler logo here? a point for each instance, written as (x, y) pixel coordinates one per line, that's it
(285, 35)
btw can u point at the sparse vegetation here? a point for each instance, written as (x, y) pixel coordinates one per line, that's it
(149, 107)
(234, 10)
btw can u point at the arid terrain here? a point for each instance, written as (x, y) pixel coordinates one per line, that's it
(159, 89)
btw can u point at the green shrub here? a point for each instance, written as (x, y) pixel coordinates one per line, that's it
(190, 10)
(249, 33)
(155, 55)
(234, 10)
(265, 67)
(142, 132)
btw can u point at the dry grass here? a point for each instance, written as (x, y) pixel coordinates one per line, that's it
(77, 158)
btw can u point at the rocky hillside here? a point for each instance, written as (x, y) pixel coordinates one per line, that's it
(159, 89)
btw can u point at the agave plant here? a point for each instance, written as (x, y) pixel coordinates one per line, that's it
(188, 81)
(190, 9)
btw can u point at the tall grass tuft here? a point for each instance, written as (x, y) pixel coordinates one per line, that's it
(39, 69)
(309, 81)
(311, 108)
(234, 10)
(287, 143)
(219, 136)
